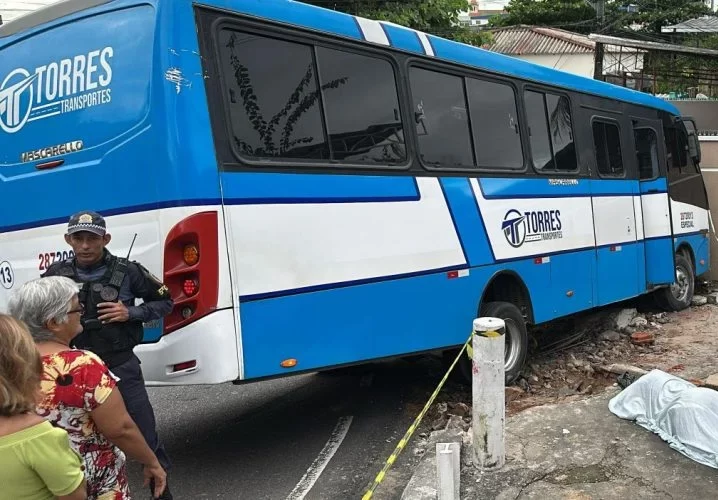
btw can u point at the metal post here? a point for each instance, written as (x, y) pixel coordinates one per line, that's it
(488, 384)
(448, 470)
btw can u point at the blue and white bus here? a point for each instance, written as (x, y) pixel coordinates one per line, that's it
(355, 190)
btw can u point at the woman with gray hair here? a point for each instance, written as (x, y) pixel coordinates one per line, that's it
(79, 392)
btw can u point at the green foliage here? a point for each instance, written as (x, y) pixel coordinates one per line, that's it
(574, 15)
(438, 17)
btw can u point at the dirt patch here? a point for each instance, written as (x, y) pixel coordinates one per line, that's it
(567, 355)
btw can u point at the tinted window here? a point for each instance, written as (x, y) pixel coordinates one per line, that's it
(646, 152)
(273, 97)
(538, 130)
(550, 128)
(441, 119)
(559, 118)
(362, 107)
(607, 145)
(495, 124)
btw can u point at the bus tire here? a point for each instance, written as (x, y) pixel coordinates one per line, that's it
(679, 295)
(517, 340)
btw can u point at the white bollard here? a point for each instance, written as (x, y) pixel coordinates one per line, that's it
(448, 470)
(488, 382)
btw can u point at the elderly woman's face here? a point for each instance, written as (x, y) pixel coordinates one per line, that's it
(73, 327)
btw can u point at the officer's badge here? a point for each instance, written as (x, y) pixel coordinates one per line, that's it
(85, 219)
(163, 290)
(109, 294)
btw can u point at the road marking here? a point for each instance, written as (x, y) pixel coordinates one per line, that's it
(315, 470)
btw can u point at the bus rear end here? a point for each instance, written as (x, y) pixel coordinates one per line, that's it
(102, 108)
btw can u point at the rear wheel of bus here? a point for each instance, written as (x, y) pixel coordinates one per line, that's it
(516, 339)
(679, 295)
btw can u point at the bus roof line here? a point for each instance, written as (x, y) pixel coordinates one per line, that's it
(46, 15)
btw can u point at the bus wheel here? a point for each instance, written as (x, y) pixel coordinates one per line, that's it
(516, 340)
(680, 294)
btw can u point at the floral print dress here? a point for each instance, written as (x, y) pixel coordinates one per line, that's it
(74, 383)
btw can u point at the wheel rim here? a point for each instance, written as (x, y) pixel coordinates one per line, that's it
(679, 289)
(513, 343)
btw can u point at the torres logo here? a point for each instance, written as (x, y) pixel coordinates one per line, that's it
(531, 226)
(58, 87)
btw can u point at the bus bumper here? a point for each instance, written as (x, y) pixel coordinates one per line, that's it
(203, 352)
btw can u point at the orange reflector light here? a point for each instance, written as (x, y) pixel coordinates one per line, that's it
(288, 363)
(190, 287)
(184, 366)
(190, 255)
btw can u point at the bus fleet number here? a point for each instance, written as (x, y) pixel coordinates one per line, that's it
(47, 259)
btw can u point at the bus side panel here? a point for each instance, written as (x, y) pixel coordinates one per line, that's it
(369, 321)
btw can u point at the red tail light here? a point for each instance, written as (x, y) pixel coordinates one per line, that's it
(191, 269)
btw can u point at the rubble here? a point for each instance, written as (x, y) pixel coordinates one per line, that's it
(642, 338)
(699, 300)
(610, 336)
(712, 298)
(624, 318)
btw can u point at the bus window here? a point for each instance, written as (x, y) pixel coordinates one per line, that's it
(273, 97)
(441, 120)
(550, 128)
(646, 153)
(495, 124)
(362, 107)
(677, 149)
(607, 147)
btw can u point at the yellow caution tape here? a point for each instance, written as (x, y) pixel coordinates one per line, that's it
(404, 440)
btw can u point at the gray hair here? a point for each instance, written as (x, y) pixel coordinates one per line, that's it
(41, 300)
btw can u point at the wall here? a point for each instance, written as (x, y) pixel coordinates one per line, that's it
(582, 64)
(709, 167)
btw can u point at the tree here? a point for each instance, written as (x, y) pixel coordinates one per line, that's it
(574, 15)
(438, 17)
(652, 15)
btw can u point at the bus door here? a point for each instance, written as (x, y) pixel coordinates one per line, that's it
(653, 208)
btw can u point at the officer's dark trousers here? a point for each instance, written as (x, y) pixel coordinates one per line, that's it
(132, 388)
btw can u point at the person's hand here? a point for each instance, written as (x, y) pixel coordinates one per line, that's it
(156, 474)
(112, 312)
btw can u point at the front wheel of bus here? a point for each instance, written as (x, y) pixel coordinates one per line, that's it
(680, 294)
(516, 339)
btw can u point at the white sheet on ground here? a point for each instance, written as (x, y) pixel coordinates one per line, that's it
(683, 415)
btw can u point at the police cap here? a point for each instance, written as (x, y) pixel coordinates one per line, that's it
(87, 221)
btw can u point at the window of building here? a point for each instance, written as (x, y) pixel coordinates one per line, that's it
(646, 152)
(495, 125)
(607, 146)
(551, 131)
(442, 122)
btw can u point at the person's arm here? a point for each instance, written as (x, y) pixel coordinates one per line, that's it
(59, 467)
(113, 421)
(157, 302)
(156, 299)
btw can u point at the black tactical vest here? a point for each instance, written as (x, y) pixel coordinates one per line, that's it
(113, 342)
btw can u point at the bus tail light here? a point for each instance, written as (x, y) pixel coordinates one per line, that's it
(191, 269)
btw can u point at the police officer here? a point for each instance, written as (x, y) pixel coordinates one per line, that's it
(111, 320)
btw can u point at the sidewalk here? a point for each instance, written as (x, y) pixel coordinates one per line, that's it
(576, 450)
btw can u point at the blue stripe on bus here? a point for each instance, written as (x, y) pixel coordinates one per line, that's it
(403, 38)
(468, 221)
(518, 188)
(700, 246)
(657, 186)
(262, 188)
(453, 213)
(404, 316)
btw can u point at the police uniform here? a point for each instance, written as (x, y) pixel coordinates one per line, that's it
(112, 279)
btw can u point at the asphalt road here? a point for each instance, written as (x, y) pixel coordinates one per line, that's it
(258, 441)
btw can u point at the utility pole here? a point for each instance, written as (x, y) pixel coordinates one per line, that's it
(600, 7)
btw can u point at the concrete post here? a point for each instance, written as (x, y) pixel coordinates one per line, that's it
(448, 470)
(488, 384)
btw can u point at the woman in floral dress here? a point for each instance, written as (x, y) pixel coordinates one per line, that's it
(80, 393)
